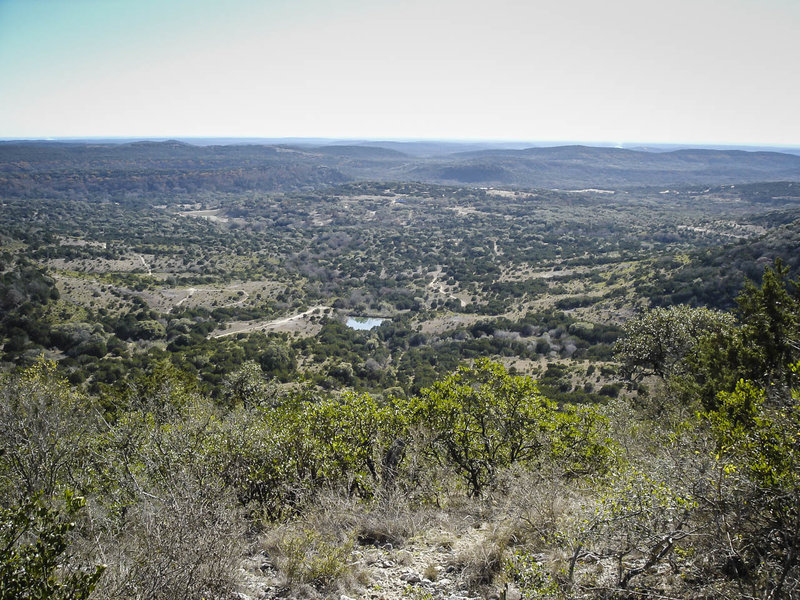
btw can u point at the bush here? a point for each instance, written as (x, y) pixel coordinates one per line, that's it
(305, 556)
(483, 420)
(43, 424)
(34, 562)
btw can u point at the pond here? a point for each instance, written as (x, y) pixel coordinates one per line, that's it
(363, 323)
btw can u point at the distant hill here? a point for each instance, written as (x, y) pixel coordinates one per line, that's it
(432, 148)
(158, 168)
(582, 166)
(144, 167)
(370, 152)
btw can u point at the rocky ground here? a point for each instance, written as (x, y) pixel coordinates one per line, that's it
(438, 564)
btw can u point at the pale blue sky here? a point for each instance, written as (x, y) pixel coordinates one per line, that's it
(683, 71)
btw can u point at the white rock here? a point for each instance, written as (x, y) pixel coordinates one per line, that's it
(411, 578)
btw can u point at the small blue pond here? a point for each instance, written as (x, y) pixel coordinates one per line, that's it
(363, 323)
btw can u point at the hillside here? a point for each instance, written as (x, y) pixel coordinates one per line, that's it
(47, 168)
(581, 166)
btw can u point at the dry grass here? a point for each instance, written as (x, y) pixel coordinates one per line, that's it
(329, 550)
(480, 563)
(308, 557)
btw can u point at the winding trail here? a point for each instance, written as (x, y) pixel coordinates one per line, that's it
(240, 301)
(190, 293)
(145, 265)
(441, 287)
(269, 325)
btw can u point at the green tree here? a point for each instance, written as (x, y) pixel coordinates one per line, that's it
(482, 420)
(758, 458)
(760, 350)
(770, 316)
(248, 386)
(352, 436)
(660, 341)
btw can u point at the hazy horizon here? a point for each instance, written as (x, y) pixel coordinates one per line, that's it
(623, 72)
(377, 141)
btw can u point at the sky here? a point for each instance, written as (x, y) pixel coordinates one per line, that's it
(614, 71)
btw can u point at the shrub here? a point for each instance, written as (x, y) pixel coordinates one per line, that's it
(482, 420)
(34, 562)
(305, 556)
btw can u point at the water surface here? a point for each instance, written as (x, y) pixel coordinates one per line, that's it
(363, 323)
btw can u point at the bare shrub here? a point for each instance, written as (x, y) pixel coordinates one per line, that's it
(42, 425)
(178, 548)
(537, 507)
(482, 562)
(392, 520)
